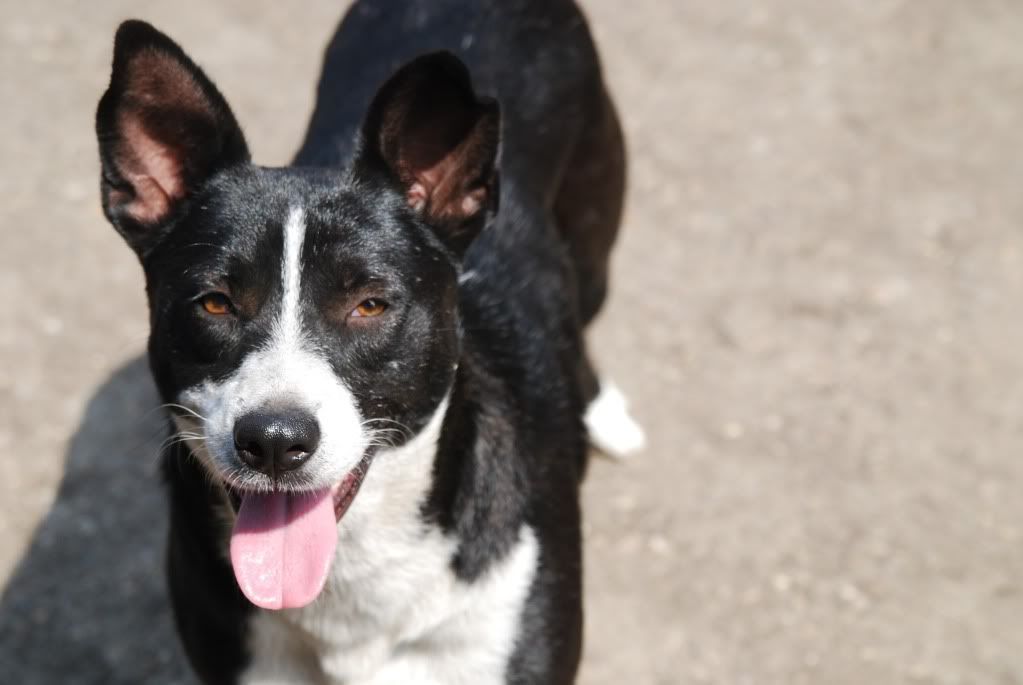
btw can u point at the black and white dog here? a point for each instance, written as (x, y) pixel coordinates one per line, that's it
(373, 358)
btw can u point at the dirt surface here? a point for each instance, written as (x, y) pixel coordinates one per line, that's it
(815, 311)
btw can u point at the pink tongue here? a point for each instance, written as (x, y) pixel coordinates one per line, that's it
(282, 546)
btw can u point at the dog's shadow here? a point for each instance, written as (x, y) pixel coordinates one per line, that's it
(87, 603)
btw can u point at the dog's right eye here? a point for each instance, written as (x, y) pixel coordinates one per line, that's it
(217, 304)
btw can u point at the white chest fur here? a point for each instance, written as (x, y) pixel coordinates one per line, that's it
(392, 611)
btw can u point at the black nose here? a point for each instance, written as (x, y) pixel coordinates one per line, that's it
(275, 442)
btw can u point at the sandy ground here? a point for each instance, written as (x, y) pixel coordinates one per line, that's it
(815, 310)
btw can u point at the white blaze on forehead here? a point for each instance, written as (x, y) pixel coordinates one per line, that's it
(289, 324)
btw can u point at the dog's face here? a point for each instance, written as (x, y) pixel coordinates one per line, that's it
(299, 318)
(294, 308)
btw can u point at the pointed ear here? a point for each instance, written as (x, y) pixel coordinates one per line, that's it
(430, 134)
(163, 130)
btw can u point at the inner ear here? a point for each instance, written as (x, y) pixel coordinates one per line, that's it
(441, 144)
(163, 129)
(438, 140)
(158, 97)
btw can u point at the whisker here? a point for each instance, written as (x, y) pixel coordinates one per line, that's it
(189, 410)
(399, 427)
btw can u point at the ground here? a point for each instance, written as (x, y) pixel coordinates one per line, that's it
(815, 313)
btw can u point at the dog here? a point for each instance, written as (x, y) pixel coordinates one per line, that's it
(373, 360)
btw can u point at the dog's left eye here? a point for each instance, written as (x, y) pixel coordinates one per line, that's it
(368, 308)
(217, 304)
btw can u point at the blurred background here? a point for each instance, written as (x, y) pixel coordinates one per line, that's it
(815, 310)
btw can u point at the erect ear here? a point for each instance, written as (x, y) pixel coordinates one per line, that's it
(163, 130)
(432, 136)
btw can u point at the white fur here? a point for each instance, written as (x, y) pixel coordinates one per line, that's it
(611, 428)
(289, 324)
(282, 374)
(392, 610)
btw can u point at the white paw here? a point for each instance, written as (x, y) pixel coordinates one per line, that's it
(612, 430)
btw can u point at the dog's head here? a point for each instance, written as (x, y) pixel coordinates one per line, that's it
(299, 317)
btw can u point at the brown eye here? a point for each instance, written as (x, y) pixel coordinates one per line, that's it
(370, 308)
(217, 304)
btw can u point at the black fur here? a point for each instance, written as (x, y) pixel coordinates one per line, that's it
(513, 448)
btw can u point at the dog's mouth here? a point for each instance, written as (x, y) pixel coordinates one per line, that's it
(283, 542)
